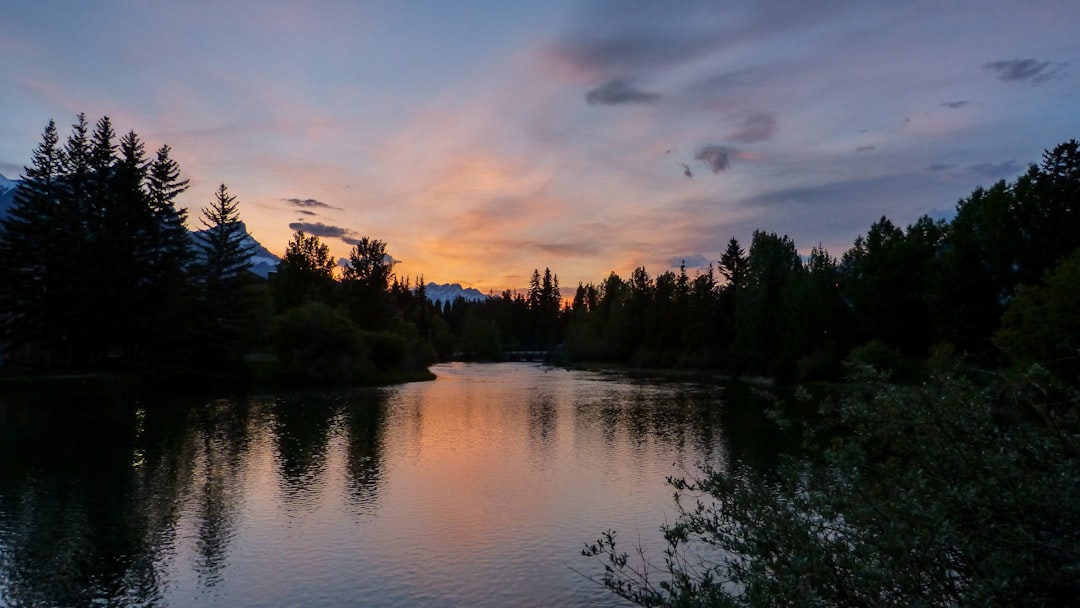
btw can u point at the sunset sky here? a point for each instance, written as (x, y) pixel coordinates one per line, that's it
(484, 139)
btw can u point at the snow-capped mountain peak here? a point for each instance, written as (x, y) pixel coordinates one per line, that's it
(6, 184)
(448, 292)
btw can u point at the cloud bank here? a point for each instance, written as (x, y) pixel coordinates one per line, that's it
(347, 236)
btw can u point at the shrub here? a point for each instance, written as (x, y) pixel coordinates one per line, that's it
(315, 343)
(942, 494)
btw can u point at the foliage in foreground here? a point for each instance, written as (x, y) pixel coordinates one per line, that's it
(944, 494)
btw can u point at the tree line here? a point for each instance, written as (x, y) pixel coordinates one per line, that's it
(101, 272)
(994, 284)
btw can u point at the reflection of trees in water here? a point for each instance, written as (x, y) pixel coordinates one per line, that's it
(304, 429)
(77, 524)
(98, 493)
(302, 426)
(220, 438)
(685, 419)
(365, 418)
(543, 424)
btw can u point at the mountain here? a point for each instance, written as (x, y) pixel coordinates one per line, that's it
(262, 261)
(7, 194)
(448, 292)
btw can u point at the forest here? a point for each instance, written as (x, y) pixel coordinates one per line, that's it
(102, 272)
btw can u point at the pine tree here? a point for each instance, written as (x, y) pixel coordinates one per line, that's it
(168, 265)
(170, 245)
(224, 255)
(30, 247)
(222, 263)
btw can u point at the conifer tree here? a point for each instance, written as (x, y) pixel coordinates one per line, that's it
(223, 255)
(30, 247)
(170, 245)
(305, 273)
(366, 281)
(222, 260)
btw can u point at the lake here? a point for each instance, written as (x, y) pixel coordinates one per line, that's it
(479, 488)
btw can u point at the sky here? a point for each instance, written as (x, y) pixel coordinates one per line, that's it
(481, 140)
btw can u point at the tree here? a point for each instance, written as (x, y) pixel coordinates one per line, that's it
(224, 252)
(305, 273)
(170, 243)
(733, 264)
(765, 320)
(31, 238)
(366, 281)
(1042, 323)
(221, 268)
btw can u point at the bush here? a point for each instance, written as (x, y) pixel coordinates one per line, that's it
(316, 343)
(886, 359)
(942, 494)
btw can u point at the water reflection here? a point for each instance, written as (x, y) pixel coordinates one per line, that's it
(475, 489)
(365, 417)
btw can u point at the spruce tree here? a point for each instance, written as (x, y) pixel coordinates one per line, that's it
(170, 244)
(223, 258)
(30, 243)
(223, 254)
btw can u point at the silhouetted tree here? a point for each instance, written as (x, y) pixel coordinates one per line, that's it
(305, 273)
(222, 263)
(366, 284)
(31, 249)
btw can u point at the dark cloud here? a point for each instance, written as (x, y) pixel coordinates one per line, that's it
(939, 167)
(865, 148)
(686, 170)
(955, 105)
(306, 212)
(617, 92)
(1026, 70)
(692, 261)
(757, 126)
(308, 203)
(716, 158)
(322, 230)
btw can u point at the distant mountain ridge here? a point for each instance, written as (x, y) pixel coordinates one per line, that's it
(7, 194)
(448, 292)
(262, 262)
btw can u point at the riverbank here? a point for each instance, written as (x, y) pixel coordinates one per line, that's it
(703, 376)
(257, 380)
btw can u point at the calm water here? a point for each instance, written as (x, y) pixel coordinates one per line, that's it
(477, 489)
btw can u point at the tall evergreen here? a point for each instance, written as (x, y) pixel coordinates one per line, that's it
(170, 245)
(222, 263)
(168, 264)
(223, 254)
(30, 246)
